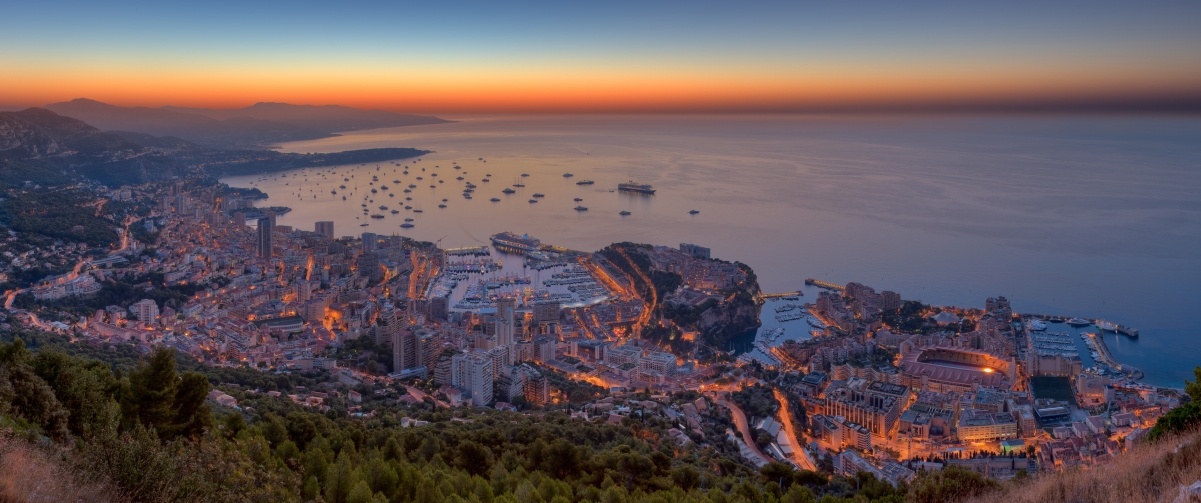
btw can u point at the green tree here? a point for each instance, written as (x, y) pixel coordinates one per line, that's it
(151, 396)
(192, 415)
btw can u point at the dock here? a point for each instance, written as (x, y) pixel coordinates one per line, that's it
(825, 284)
(780, 295)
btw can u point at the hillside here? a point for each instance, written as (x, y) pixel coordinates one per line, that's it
(257, 126)
(46, 148)
(236, 132)
(1151, 472)
(327, 118)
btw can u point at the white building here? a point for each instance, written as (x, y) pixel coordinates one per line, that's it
(145, 310)
(472, 374)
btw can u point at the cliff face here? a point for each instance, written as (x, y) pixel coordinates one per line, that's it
(730, 319)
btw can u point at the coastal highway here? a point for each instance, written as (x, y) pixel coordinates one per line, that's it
(743, 427)
(798, 453)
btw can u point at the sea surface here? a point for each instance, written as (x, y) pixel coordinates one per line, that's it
(1095, 217)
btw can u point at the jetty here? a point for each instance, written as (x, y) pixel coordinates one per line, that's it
(825, 284)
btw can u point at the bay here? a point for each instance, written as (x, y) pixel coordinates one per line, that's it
(1077, 216)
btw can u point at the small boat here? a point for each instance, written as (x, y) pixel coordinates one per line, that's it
(417, 210)
(585, 182)
(578, 199)
(525, 174)
(362, 225)
(334, 192)
(419, 178)
(567, 175)
(441, 205)
(624, 213)
(408, 191)
(376, 215)
(391, 194)
(466, 196)
(412, 186)
(693, 212)
(396, 182)
(408, 207)
(383, 207)
(343, 198)
(508, 190)
(407, 225)
(408, 219)
(1055, 319)
(484, 180)
(1079, 322)
(581, 208)
(495, 199)
(487, 174)
(444, 199)
(363, 205)
(341, 186)
(395, 212)
(533, 200)
(536, 194)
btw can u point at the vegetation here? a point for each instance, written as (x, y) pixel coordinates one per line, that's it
(756, 401)
(56, 215)
(137, 429)
(1185, 417)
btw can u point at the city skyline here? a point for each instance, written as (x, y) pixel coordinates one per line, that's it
(614, 58)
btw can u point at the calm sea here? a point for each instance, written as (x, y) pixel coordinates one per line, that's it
(1086, 216)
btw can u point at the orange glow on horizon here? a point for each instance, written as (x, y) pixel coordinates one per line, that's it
(593, 90)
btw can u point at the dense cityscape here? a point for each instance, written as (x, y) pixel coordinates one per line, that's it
(386, 326)
(559, 252)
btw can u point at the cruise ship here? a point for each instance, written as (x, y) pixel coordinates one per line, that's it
(509, 240)
(641, 188)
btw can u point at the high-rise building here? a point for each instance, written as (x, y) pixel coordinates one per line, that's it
(325, 228)
(265, 246)
(509, 384)
(891, 300)
(239, 219)
(500, 358)
(405, 353)
(472, 374)
(146, 310)
(537, 389)
(505, 309)
(369, 241)
(270, 214)
(546, 311)
(545, 349)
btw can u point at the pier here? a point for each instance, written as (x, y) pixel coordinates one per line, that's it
(763, 296)
(825, 284)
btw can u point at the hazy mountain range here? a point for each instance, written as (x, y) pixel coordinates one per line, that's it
(257, 126)
(44, 148)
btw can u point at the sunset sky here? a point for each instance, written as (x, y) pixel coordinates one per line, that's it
(465, 57)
